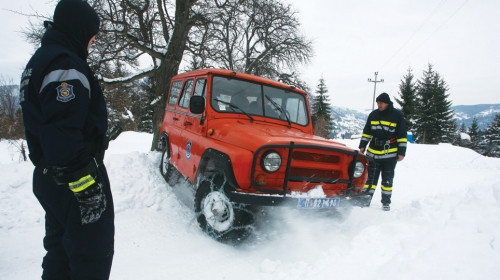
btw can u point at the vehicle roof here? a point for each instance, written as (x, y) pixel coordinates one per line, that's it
(249, 77)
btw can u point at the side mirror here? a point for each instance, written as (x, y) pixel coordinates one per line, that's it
(197, 104)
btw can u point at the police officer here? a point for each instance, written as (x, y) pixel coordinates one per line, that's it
(385, 130)
(65, 121)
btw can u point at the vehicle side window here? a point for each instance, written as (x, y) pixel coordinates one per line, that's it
(199, 89)
(174, 93)
(296, 110)
(186, 94)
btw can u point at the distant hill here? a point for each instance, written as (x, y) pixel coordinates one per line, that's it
(484, 113)
(351, 122)
(347, 121)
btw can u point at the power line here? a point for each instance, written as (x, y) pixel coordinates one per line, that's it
(431, 34)
(416, 31)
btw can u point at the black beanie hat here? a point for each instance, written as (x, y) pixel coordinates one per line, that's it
(77, 19)
(384, 97)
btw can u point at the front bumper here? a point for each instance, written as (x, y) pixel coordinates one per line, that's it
(359, 200)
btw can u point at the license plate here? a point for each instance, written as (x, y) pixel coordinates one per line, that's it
(318, 203)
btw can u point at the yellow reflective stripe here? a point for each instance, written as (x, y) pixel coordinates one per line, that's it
(82, 184)
(384, 188)
(392, 150)
(367, 186)
(402, 140)
(366, 135)
(383, 123)
(388, 123)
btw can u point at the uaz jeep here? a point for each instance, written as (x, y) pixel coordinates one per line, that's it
(243, 140)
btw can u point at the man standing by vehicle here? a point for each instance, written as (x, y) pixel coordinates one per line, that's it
(385, 129)
(65, 121)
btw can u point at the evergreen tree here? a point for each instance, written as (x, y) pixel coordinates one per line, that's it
(474, 131)
(462, 128)
(492, 134)
(146, 118)
(408, 101)
(322, 111)
(434, 123)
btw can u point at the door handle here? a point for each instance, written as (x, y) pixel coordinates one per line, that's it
(187, 123)
(175, 119)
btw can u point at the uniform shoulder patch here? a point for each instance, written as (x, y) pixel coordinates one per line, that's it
(65, 92)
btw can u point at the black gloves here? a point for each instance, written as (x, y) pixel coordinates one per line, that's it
(90, 196)
(86, 188)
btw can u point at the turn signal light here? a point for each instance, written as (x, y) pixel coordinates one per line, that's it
(261, 180)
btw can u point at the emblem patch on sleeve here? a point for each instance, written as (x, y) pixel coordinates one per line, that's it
(65, 92)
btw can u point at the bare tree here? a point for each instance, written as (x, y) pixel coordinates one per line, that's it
(11, 126)
(252, 36)
(255, 37)
(133, 28)
(20, 149)
(9, 98)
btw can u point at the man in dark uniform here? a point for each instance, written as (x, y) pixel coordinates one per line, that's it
(385, 130)
(65, 121)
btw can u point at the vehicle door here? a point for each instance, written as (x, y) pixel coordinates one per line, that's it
(194, 129)
(172, 121)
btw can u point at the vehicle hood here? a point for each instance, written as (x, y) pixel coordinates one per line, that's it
(252, 135)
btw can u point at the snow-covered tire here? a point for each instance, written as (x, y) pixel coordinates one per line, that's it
(220, 218)
(167, 170)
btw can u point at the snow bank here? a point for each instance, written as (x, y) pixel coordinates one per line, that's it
(444, 224)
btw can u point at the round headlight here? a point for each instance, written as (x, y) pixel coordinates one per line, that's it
(359, 168)
(271, 161)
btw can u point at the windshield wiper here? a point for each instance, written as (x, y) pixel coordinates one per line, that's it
(232, 106)
(279, 109)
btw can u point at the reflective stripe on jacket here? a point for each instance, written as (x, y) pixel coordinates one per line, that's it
(386, 133)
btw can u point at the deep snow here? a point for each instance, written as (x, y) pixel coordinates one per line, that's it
(444, 224)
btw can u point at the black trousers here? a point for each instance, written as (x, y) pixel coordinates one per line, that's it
(386, 168)
(74, 251)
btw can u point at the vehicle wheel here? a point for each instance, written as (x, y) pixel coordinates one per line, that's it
(167, 170)
(220, 218)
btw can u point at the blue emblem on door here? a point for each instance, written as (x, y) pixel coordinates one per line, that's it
(188, 149)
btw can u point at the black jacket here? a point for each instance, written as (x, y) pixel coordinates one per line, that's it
(64, 111)
(386, 132)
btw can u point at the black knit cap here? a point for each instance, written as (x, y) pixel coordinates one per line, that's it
(384, 97)
(77, 20)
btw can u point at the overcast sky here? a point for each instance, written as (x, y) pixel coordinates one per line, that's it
(354, 39)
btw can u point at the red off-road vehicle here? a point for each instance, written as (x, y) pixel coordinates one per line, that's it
(244, 140)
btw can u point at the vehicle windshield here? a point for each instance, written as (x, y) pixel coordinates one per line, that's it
(258, 100)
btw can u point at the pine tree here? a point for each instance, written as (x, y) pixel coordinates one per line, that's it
(322, 111)
(434, 122)
(462, 128)
(146, 118)
(492, 134)
(408, 101)
(474, 131)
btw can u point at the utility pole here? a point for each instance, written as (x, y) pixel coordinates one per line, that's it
(375, 87)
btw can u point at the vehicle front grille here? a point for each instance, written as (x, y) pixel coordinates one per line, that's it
(314, 173)
(315, 157)
(305, 166)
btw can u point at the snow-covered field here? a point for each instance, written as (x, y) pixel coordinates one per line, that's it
(444, 224)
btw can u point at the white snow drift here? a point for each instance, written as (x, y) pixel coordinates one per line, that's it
(444, 223)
